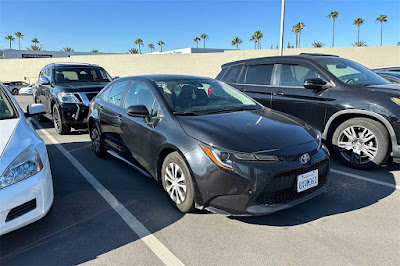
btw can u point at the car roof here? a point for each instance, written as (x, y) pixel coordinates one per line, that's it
(261, 60)
(70, 64)
(159, 77)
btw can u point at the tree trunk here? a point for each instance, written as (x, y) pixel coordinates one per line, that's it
(358, 33)
(237, 46)
(204, 43)
(10, 44)
(299, 37)
(333, 34)
(381, 31)
(296, 39)
(255, 47)
(19, 43)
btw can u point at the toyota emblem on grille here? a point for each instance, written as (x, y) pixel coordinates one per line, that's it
(305, 158)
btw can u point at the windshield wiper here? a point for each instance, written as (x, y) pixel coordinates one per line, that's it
(183, 113)
(227, 110)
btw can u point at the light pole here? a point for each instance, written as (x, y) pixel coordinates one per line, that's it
(282, 26)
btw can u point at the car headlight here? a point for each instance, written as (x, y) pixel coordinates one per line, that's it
(396, 100)
(67, 97)
(27, 163)
(224, 159)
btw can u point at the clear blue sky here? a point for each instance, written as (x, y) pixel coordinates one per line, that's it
(112, 26)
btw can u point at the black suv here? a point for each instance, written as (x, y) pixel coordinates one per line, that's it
(356, 110)
(66, 90)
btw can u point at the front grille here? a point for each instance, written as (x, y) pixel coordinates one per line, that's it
(282, 188)
(21, 210)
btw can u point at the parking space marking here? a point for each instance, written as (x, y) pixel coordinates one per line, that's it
(161, 251)
(386, 184)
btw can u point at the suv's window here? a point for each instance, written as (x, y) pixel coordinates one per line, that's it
(260, 74)
(6, 109)
(232, 74)
(140, 94)
(294, 75)
(24, 84)
(81, 74)
(117, 91)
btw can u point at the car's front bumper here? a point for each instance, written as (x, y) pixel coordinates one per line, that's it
(27, 201)
(74, 115)
(254, 188)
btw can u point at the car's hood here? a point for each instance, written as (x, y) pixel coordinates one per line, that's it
(249, 131)
(7, 128)
(388, 88)
(82, 86)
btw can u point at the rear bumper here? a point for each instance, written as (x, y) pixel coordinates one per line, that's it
(26, 201)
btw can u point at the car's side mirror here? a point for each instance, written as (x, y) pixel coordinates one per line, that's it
(44, 81)
(137, 111)
(35, 109)
(314, 83)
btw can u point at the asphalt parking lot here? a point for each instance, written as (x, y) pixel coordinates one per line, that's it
(105, 212)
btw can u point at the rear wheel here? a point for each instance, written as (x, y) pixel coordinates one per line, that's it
(97, 141)
(177, 182)
(14, 92)
(361, 143)
(60, 127)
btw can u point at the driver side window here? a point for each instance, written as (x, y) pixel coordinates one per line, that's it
(294, 75)
(140, 94)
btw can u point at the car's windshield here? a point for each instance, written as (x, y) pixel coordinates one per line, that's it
(81, 74)
(351, 72)
(203, 96)
(6, 107)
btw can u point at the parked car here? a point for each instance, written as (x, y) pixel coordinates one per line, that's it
(208, 144)
(356, 110)
(15, 86)
(66, 90)
(26, 186)
(391, 69)
(28, 90)
(392, 77)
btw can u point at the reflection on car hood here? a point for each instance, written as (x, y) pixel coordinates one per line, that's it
(248, 131)
(7, 127)
(82, 86)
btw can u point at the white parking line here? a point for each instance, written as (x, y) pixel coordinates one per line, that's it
(386, 184)
(161, 251)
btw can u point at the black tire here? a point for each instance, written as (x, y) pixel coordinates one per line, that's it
(187, 205)
(98, 144)
(380, 143)
(14, 92)
(60, 127)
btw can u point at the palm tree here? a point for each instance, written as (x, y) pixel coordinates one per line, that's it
(398, 44)
(301, 25)
(10, 38)
(236, 41)
(35, 42)
(360, 44)
(318, 44)
(139, 42)
(133, 51)
(20, 36)
(382, 18)
(296, 31)
(67, 49)
(151, 47)
(95, 51)
(333, 15)
(258, 35)
(254, 39)
(161, 43)
(197, 40)
(204, 37)
(35, 48)
(357, 22)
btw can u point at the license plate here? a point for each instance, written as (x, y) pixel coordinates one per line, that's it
(307, 180)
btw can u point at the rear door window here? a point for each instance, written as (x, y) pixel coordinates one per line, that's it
(232, 74)
(259, 74)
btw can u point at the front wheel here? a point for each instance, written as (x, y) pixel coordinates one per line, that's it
(177, 182)
(60, 127)
(361, 143)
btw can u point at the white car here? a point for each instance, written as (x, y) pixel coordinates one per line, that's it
(26, 184)
(27, 90)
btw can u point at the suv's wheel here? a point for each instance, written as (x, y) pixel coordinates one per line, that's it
(177, 182)
(97, 141)
(361, 143)
(14, 92)
(60, 127)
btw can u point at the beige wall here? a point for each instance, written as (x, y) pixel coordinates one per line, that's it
(207, 65)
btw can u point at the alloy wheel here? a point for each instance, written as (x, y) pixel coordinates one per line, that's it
(96, 139)
(175, 183)
(358, 144)
(56, 120)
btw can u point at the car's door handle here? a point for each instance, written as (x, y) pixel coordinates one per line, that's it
(279, 93)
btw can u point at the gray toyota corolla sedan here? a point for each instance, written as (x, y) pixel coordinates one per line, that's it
(208, 144)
